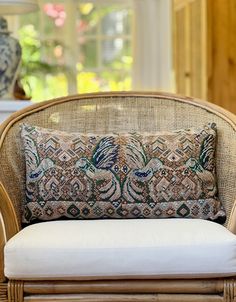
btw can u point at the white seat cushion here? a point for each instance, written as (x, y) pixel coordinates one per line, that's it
(121, 248)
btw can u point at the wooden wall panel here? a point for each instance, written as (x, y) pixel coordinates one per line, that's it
(180, 50)
(232, 57)
(190, 47)
(205, 50)
(198, 48)
(221, 20)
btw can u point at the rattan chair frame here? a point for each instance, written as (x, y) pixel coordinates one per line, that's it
(218, 289)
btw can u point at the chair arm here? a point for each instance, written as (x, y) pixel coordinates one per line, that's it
(7, 210)
(8, 225)
(2, 244)
(231, 226)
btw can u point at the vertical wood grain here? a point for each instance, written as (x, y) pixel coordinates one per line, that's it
(180, 61)
(232, 56)
(205, 35)
(198, 48)
(190, 47)
(221, 26)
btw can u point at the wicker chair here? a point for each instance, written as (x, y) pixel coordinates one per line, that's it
(102, 113)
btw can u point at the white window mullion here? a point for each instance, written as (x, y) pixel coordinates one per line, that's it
(99, 46)
(71, 43)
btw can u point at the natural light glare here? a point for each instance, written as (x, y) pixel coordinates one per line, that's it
(97, 57)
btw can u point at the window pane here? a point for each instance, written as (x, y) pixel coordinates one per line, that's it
(55, 18)
(117, 53)
(106, 80)
(88, 53)
(115, 80)
(111, 45)
(101, 48)
(116, 23)
(88, 19)
(88, 82)
(44, 87)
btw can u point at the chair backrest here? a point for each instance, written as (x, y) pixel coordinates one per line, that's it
(114, 112)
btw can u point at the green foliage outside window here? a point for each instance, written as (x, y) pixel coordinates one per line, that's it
(39, 78)
(104, 58)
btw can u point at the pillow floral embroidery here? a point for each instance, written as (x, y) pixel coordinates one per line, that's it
(132, 175)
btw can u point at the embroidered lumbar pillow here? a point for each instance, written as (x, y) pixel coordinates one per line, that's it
(132, 175)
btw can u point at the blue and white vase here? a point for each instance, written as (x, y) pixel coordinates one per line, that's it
(10, 56)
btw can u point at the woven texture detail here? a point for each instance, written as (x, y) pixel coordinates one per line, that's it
(101, 115)
(15, 291)
(125, 175)
(3, 292)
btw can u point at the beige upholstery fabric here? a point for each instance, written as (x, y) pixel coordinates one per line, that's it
(127, 248)
(120, 113)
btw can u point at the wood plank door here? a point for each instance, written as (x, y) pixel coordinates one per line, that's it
(190, 49)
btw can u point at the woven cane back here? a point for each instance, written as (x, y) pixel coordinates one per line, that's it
(118, 112)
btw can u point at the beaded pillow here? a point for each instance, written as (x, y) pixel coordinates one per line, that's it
(123, 175)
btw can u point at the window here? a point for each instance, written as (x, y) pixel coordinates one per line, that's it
(77, 46)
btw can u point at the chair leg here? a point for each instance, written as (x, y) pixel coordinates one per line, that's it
(15, 291)
(3, 292)
(229, 290)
